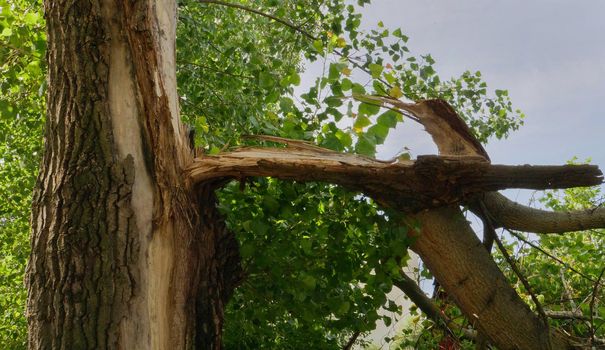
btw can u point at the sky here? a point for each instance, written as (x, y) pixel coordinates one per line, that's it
(550, 55)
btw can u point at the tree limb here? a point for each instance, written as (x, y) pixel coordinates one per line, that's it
(428, 307)
(449, 132)
(566, 315)
(430, 181)
(352, 340)
(515, 216)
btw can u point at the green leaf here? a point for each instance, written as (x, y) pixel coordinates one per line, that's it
(375, 70)
(318, 45)
(366, 145)
(368, 108)
(309, 282)
(388, 119)
(346, 84)
(361, 122)
(395, 92)
(266, 80)
(379, 132)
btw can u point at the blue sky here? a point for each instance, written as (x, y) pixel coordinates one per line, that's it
(550, 55)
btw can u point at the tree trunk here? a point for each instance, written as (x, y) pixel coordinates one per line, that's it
(119, 252)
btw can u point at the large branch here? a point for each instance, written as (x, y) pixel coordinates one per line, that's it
(430, 181)
(451, 250)
(512, 215)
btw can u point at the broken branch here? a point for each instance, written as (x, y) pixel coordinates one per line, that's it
(430, 181)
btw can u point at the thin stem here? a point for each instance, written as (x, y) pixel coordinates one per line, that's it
(351, 341)
(291, 26)
(541, 250)
(595, 290)
(260, 13)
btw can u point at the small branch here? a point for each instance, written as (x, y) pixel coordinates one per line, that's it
(203, 66)
(566, 315)
(538, 248)
(515, 216)
(260, 13)
(426, 305)
(595, 290)
(294, 28)
(489, 235)
(567, 293)
(351, 341)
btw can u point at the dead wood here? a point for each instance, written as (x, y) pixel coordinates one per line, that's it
(430, 181)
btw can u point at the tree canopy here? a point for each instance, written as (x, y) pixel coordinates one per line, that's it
(318, 259)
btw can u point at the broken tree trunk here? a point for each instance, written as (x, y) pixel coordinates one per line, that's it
(427, 187)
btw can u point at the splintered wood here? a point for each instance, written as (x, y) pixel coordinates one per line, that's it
(430, 181)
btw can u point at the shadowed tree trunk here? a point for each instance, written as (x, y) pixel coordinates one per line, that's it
(128, 249)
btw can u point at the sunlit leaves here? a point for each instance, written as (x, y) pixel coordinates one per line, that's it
(22, 46)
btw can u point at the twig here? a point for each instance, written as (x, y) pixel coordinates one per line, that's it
(538, 248)
(215, 70)
(595, 290)
(291, 26)
(432, 312)
(566, 315)
(567, 291)
(260, 13)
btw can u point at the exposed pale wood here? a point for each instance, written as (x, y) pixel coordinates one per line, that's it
(449, 132)
(430, 181)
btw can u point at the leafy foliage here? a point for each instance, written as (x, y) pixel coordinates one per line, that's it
(569, 283)
(22, 46)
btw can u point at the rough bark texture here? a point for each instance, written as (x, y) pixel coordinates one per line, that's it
(120, 255)
(220, 271)
(82, 273)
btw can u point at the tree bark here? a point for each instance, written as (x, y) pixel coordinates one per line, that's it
(120, 251)
(512, 215)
